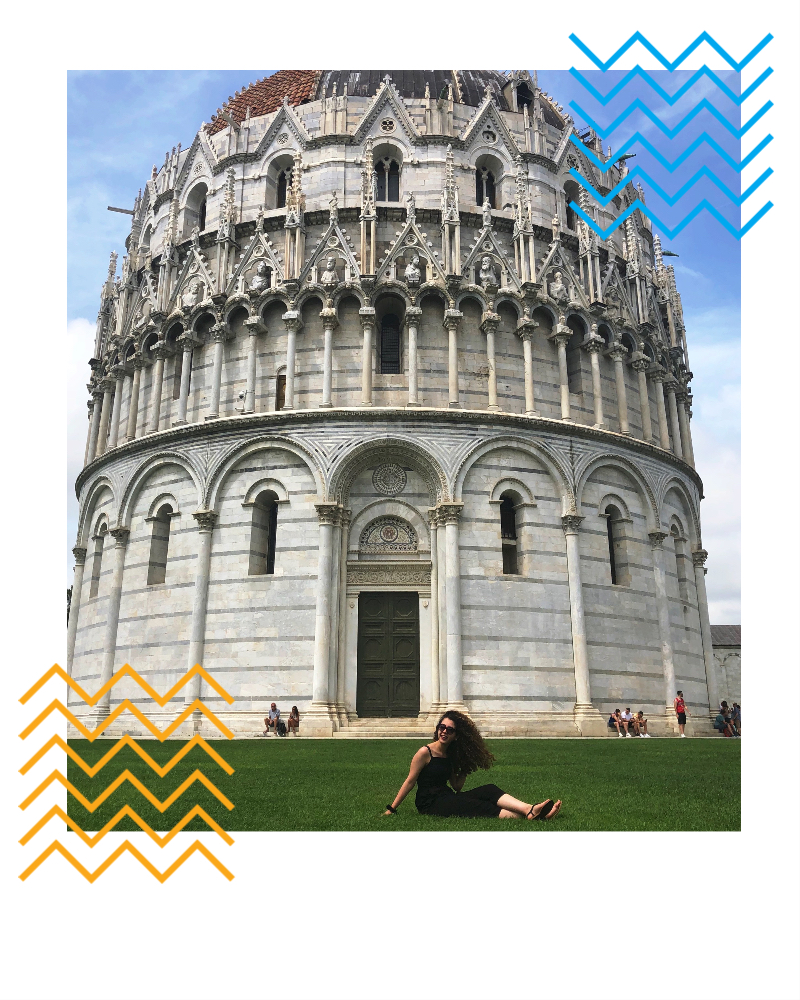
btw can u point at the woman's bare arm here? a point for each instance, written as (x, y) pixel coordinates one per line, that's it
(418, 761)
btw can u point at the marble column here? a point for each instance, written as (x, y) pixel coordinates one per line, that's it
(441, 580)
(683, 425)
(450, 514)
(561, 338)
(319, 713)
(664, 628)
(413, 316)
(218, 334)
(699, 557)
(675, 427)
(79, 551)
(640, 364)
(118, 373)
(489, 326)
(452, 317)
(133, 407)
(433, 521)
(107, 385)
(368, 328)
(187, 346)
(159, 352)
(525, 330)
(293, 324)
(90, 409)
(120, 536)
(618, 353)
(253, 326)
(334, 583)
(329, 324)
(571, 524)
(341, 661)
(593, 345)
(97, 397)
(197, 630)
(658, 375)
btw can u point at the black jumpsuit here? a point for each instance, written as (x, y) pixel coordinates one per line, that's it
(436, 798)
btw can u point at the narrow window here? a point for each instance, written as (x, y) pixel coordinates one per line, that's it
(508, 535)
(611, 557)
(617, 547)
(201, 215)
(97, 559)
(681, 564)
(484, 187)
(390, 345)
(263, 534)
(381, 174)
(478, 186)
(524, 96)
(159, 546)
(280, 392)
(489, 189)
(393, 194)
(283, 178)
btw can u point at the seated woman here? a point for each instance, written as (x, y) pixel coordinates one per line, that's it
(456, 751)
(293, 722)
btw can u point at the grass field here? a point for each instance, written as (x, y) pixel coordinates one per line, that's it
(297, 784)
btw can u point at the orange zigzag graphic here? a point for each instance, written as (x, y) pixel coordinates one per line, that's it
(127, 671)
(126, 741)
(196, 706)
(58, 812)
(126, 846)
(119, 780)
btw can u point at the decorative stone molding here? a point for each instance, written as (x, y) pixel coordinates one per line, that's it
(205, 519)
(389, 574)
(593, 344)
(386, 535)
(657, 538)
(389, 480)
(571, 523)
(120, 535)
(640, 363)
(450, 513)
(292, 321)
(328, 513)
(699, 557)
(79, 551)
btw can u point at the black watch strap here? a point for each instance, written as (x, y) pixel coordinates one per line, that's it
(391, 809)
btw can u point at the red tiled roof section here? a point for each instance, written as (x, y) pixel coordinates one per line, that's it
(267, 95)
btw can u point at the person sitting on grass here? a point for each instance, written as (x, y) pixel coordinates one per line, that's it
(640, 724)
(271, 721)
(721, 724)
(627, 721)
(440, 768)
(293, 722)
(615, 722)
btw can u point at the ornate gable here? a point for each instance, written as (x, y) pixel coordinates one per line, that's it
(386, 99)
(196, 163)
(195, 282)
(618, 303)
(258, 251)
(143, 304)
(488, 117)
(408, 242)
(335, 243)
(487, 245)
(556, 260)
(285, 120)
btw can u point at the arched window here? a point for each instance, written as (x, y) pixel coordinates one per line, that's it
(524, 96)
(201, 215)
(390, 345)
(617, 547)
(682, 562)
(388, 173)
(97, 559)
(280, 392)
(485, 187)
(571, 193)
(508, 535)
(575, 354)
(263, 534)
(159, 545)
(284, 180)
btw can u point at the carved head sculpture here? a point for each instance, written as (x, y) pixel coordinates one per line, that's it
(487, 275)
(191, 295)
(260, 281)
(329, 274)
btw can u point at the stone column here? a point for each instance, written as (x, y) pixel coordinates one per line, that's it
(619, 353)
(413, 316)
(79, 551)
(450, 514)
(593, 345)
(336, 554)
(187, 346)
(526, 329)
(319, 713)
(118, 372)
(133, 408)
(489, 326)
(252, 343)
(664, 628)
(452, 317)
(120, 536)
(90, 409)
(561, 338)
(341, 668)
(433, 522)
(107, 385)
(368, 326)
(160, 352)
(671, 383)
(657, 374)
(329, 324)
(683, 423)
(699, 557)
(293, 324)
(197, 633)
(218, 333)
(97, 397)
(571, 524)
(441, 581)
(640, 364)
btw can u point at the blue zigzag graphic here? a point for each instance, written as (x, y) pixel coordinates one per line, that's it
(675, 198)
(605, 165)
(671, 233)
(671, 133)
(639, 37)
(671, 99)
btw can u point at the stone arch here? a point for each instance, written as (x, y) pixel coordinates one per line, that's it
(511, 483)
(646, 491)
(140, 475)
(93, 493)
(618, 502)
(202, 319)
(537, 451)
(225, 463)
(473, 294)
(270, 297)
(391, 507)
(692, 517)
(163, 498)
(236, 302)
(388, 449)
(308, 294)
(510, 298)
(544, 307)
(430, 289)
(266, 483)
(349, 290)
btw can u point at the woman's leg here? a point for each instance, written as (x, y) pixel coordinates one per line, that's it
(515, 808)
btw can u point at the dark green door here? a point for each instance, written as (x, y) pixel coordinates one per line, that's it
(388, 655)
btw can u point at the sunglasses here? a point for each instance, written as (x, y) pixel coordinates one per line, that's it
(446, 729)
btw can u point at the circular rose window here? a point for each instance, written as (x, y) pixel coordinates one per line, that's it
(387, 125)
(389, 480)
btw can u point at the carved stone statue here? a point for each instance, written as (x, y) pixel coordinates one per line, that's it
(143, 315)
(411, 205)
(487, 274)
(333, 204)
(191, 294)
(260, 280)
(558, 290)
(487, 214)
(329, 277)
(374, 187)
(413, 274)
(196, 235)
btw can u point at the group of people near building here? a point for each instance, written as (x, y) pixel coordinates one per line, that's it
(729, 720)
(627, 724)
(274, 722)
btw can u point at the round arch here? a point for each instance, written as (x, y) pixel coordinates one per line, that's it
(390, 507)
(94, 493)
(537, 451)
(139, 476)
(692, 517)
(225, 463)
(624, 464)
(388, 449)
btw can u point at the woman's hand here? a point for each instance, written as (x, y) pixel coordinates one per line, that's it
(389, 812)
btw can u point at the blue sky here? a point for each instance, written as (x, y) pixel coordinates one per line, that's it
(120, 123)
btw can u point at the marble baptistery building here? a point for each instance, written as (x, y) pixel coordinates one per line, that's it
(378, 425)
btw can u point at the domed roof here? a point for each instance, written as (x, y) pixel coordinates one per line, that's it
(303, 85)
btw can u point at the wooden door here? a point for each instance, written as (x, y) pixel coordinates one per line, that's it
(388, 655)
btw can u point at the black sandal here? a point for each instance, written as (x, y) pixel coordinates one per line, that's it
(542, 812)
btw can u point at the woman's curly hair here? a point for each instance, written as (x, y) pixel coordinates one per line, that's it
(468, 752)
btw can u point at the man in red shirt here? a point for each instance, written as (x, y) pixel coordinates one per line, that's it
(681, 711)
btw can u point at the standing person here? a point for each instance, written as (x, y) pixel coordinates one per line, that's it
(456, 751)
(271, 720)
(681, 711)
(293, 722)
(627, 721)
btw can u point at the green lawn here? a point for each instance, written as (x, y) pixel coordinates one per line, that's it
(297, 784)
